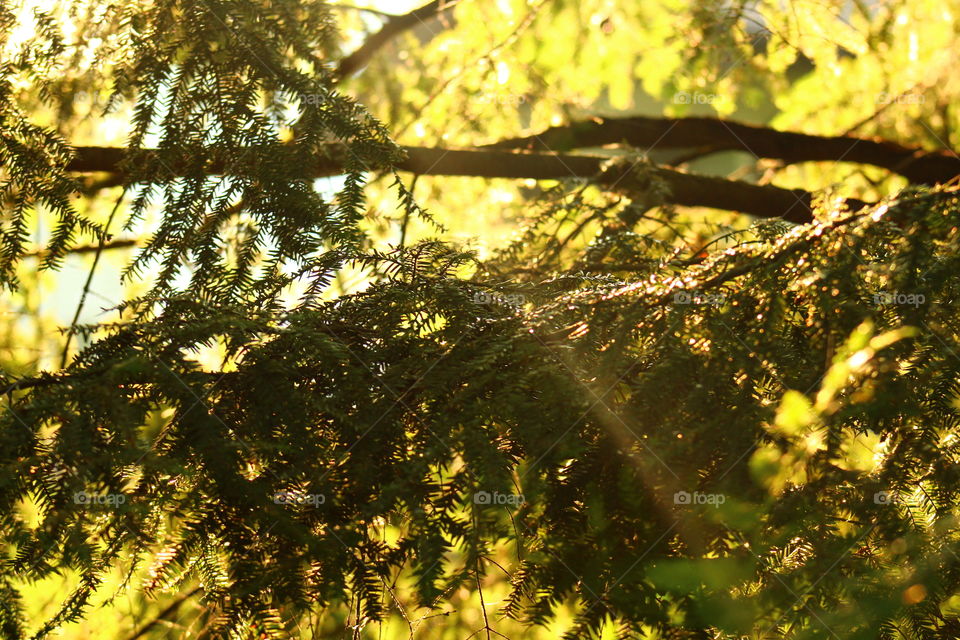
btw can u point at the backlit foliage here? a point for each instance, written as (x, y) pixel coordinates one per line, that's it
(758, 438)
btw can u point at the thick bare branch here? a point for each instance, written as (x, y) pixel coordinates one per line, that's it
(711, 135)
(686, 189)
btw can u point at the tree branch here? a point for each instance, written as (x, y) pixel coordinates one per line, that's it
(914, 163)
(392, 28)
(166, 613)
(686, 189)
(120, 243)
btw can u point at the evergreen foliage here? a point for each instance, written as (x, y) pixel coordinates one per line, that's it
(681, 439)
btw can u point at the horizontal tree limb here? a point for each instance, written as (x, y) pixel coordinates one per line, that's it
(685, 189)
(712, 134)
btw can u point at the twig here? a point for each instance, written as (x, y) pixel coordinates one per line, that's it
(89, 282)
(170, 609)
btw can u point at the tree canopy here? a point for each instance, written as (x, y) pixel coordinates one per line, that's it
(479, 319)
